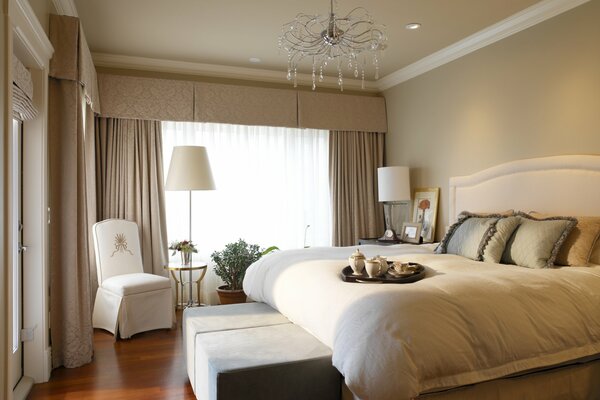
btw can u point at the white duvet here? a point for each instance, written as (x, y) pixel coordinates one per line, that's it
(466, 322)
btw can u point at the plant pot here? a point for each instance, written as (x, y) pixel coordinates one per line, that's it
(227, 296)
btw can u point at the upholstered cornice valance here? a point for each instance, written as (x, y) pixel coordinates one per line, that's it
(244, 105)
(72, 59)
(176, 100)
(341, 112)
(146, 98)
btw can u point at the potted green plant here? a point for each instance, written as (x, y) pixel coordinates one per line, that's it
(231, 264)
(186, 248)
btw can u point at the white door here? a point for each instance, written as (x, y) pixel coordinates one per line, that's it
(17, 249)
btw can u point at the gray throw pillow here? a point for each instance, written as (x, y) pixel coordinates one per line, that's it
(468, 236)
(500, 235)
(536, 242)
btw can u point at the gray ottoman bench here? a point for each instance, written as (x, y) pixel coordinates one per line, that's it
(279, 360)
(198, 320)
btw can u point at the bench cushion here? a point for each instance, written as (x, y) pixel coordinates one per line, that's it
(199, 320)
(270, 362)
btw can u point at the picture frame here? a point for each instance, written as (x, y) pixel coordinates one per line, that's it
(425, 206)
(411, 232)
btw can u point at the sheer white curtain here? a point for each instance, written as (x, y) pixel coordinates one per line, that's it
(271, 183)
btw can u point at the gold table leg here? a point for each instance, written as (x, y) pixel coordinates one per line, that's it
(198, 284)
(177, 283)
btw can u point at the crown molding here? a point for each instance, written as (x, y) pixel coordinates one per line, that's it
(518, 22)
(31, 46)
(217, 71)
(65, 7)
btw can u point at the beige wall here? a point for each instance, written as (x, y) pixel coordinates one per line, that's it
(534, 94)
(42, 9)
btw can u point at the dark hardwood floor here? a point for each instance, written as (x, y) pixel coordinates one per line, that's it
(148, 366)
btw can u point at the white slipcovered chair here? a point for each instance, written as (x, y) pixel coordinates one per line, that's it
(128, 300)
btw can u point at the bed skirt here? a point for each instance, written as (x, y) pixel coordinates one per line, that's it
(576, 381)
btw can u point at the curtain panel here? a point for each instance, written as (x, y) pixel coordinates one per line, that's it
(353, 161)
(72, 269)
(72, 100)
(130, 182)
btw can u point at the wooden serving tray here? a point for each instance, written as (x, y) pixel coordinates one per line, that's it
(348, 276)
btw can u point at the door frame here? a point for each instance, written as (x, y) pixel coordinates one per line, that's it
(29, 42)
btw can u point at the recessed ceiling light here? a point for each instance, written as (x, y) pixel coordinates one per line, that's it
(412, 26)
(254, 60)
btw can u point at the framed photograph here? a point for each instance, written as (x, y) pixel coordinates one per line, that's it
(425, 205)
(411, 232)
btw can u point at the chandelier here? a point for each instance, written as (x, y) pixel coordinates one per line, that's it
(346, 42)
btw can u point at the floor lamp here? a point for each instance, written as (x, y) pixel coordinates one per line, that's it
(189, 170)
(393, 189)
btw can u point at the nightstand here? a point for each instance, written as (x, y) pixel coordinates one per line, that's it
(375, 241)
(365, 241)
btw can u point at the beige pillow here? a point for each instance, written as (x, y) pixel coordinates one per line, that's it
(595, 259)
(579, 245)
(507, 213)
(500, 235)
(536, 242)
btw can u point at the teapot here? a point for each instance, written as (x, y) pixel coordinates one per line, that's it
(383, 264)
(357, 262)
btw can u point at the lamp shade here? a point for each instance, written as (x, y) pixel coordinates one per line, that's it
(189, 169)
(393, 183)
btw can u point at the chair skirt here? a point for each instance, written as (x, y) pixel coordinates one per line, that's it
(133, 313)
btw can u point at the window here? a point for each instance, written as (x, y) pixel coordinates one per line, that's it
(271, 184)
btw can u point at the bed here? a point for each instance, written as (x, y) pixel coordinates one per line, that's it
(470, 329)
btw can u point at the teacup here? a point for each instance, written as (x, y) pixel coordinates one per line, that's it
(400, 266)
(373, 267)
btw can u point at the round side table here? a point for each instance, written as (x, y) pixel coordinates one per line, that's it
(179, 283)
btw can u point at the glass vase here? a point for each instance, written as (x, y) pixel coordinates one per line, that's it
(186, 258)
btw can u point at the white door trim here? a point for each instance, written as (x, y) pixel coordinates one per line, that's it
(32, 47)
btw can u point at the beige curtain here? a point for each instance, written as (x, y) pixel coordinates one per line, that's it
(72, 272)
(353, 161)
(130, 183)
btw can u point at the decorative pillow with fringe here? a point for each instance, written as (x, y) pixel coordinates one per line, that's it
(579, 245)
(499, 236)
(469, 235)
(536, 242)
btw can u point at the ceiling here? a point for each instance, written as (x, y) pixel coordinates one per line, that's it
(229, 32)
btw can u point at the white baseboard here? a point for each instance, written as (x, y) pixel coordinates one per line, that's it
(23, 388)
(47, 364)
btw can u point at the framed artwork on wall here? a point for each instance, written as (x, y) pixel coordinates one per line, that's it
(425, 211)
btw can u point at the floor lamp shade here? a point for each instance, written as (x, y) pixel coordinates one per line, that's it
(189, 169)
(393, 184)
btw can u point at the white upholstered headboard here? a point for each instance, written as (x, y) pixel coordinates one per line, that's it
(566, 185)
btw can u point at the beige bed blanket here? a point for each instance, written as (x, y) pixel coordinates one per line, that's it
(466, 322)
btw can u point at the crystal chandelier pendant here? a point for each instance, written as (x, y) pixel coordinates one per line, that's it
(330, 37)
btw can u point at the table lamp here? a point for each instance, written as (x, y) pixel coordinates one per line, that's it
(393, 189)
